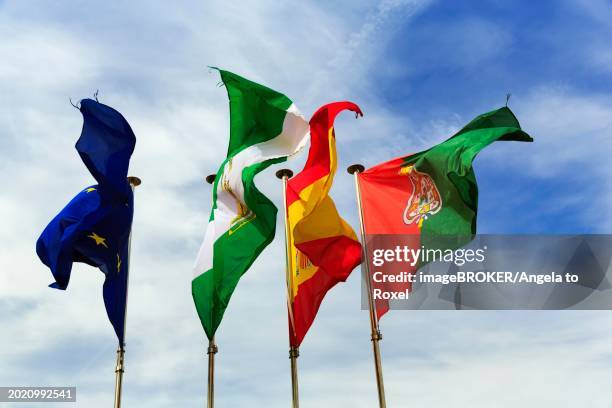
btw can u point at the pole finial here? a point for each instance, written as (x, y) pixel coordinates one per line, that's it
(508, 95)
(134, 181)
(355, 168)
(284, 173)
(210, 179)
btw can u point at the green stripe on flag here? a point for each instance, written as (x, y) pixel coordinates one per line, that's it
(256, 112)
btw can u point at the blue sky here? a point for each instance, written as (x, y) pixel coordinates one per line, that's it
(420, 70)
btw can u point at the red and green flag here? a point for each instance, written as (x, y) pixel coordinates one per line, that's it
(433, 193)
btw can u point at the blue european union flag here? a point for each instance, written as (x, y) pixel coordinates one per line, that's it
(94, 227)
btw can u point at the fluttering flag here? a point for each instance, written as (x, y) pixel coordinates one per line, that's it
(431, 198)
(323, 247)
(265, 128)
(94, 227)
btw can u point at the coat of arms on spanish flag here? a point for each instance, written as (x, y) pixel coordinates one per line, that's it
(323, 247)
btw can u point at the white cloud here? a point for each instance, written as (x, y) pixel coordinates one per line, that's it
(148, 60)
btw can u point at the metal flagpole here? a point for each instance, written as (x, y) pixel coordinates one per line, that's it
(212, 347)
(355, 169)
(119, 376)
(294, 352)
(212, 350)
(120, 366)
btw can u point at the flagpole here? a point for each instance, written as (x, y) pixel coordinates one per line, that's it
(212, 347)
(355, 169)
(212, 350)
(119, 376)
(294, 352)
(120, 366)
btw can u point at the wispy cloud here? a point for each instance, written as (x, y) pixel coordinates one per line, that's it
(149, 61)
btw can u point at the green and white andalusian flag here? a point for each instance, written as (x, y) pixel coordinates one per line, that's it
(265, 128)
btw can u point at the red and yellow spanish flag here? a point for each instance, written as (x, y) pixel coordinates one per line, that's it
(323, 247)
